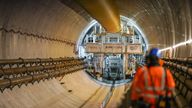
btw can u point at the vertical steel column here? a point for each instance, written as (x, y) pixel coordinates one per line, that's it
(125, 63)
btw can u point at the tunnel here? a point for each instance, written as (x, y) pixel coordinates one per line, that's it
(80, 53)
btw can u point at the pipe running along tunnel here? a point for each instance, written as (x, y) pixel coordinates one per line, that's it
(82, 54)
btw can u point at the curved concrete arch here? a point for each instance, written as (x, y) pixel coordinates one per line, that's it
(46, 18)
(164, 23)
(164, 14)
(93, 22)
(84, 31)
(132, 22)
(49, 18)
(159, 20)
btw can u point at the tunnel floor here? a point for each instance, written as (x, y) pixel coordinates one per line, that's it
(75, 90)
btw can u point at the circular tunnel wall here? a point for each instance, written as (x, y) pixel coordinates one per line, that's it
(31, 29)
(50, 28)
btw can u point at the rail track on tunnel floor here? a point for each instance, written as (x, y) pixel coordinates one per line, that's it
(90, 97)
(100, 101)
(108, 96)
(118, 93)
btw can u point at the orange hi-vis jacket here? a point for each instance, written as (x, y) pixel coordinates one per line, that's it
(147, 80)
(161, 62)
(134, 93)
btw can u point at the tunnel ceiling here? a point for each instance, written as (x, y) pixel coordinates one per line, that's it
(164, 22)
(46, 18)
(77, 8)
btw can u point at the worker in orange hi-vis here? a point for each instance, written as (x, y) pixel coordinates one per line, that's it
(134, 94)
(153, 85)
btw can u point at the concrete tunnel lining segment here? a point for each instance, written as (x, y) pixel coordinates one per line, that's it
(169, 24)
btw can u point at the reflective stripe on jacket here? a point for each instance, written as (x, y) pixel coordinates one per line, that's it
(146, 84)
(134, 89)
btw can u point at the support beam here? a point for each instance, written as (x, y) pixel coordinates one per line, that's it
(105, 12)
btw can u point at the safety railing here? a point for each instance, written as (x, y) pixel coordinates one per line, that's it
(16, 72)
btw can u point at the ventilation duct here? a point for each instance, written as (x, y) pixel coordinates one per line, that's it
(105, 12)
